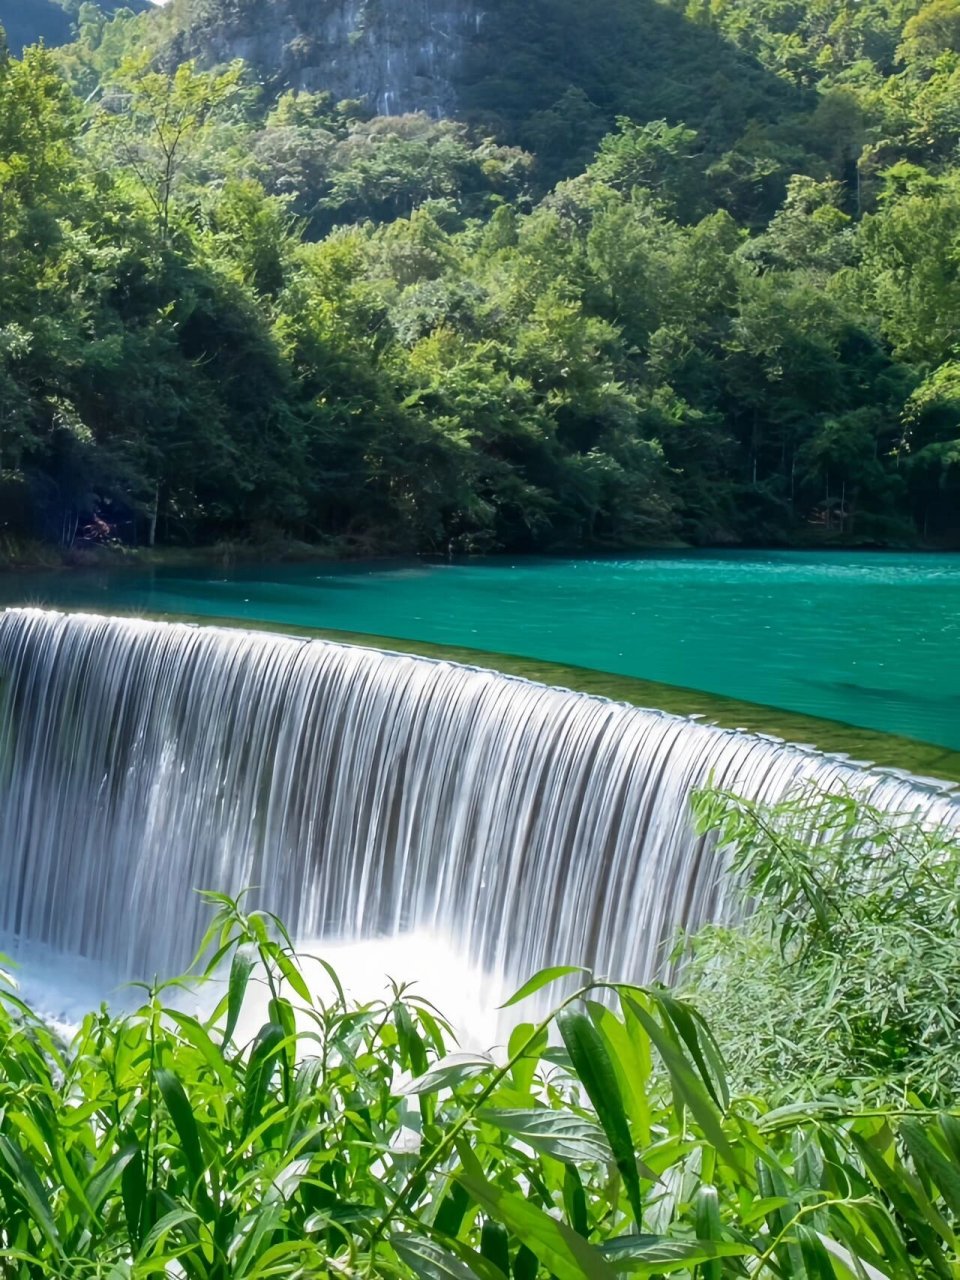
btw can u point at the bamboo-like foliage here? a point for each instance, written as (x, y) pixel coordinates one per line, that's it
(348, 1139)
(845, 977)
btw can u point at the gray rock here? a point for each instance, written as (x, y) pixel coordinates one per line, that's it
(396, 55)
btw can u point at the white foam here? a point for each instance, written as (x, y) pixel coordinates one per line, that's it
(62, 989)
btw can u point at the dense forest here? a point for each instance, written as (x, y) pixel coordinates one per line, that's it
(672, 274)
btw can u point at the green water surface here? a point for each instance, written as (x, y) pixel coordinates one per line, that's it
(869, 639)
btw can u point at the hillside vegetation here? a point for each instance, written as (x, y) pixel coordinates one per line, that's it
(52, 21)
(674, 274)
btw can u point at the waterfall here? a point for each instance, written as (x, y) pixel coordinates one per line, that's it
(364, 793)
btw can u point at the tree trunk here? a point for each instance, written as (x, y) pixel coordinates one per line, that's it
(154, 514)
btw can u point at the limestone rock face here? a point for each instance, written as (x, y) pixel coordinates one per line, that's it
(397, 55)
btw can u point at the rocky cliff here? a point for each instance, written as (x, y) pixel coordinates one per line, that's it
(551, 75)
(400, 55)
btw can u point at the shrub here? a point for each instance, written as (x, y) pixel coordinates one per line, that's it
(346, 1139)
(846, 975)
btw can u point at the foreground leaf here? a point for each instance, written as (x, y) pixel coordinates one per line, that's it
(543, 979)
(564, 1253)
(449, 1072)
(646, 1255)
(560, 1134)
(593, 1067)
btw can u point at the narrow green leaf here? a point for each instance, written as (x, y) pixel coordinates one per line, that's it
(251, 1236)
(708, 1226)
(45, 1138)
(449, 1072)
(817, 1262)
(240, 970)
(525, 1067)
(646, 1255)
(950, 1127)
(931, 1164)
(560, 1134)
(277, 1262)
(452, 1210)
(429, 1260)
(575, 1201)
(630, 1053)
(851, 1266)
(526, 1265)
(699, 1041)
(413, 1055)
(133, 1191)
(556, 1244)
(191, 1030)
(31, 1190)
(281, 1012)
(293, 977)
(689, 1090)
(169, 1222)
(543, 979)
(559, 1248)
(101, 1185)
(308, 1080)
(871, 1235)
(904, 1196)
(593, 1067)
(260, 1068)
(334, 978)
(186, 1125)
(762, 1209)
(495, 1245)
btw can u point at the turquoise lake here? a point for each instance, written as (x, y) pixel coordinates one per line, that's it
(872, 639)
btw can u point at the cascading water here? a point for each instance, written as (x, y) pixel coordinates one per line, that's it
(365, 793)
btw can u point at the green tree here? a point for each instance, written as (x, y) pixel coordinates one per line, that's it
(154, 121)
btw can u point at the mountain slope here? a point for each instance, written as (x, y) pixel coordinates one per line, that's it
(551, 75)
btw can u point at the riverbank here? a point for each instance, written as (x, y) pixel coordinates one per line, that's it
(17, 556)
(31, 555)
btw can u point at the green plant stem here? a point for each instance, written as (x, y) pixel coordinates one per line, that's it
(446, 1143)
(804, 1212)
